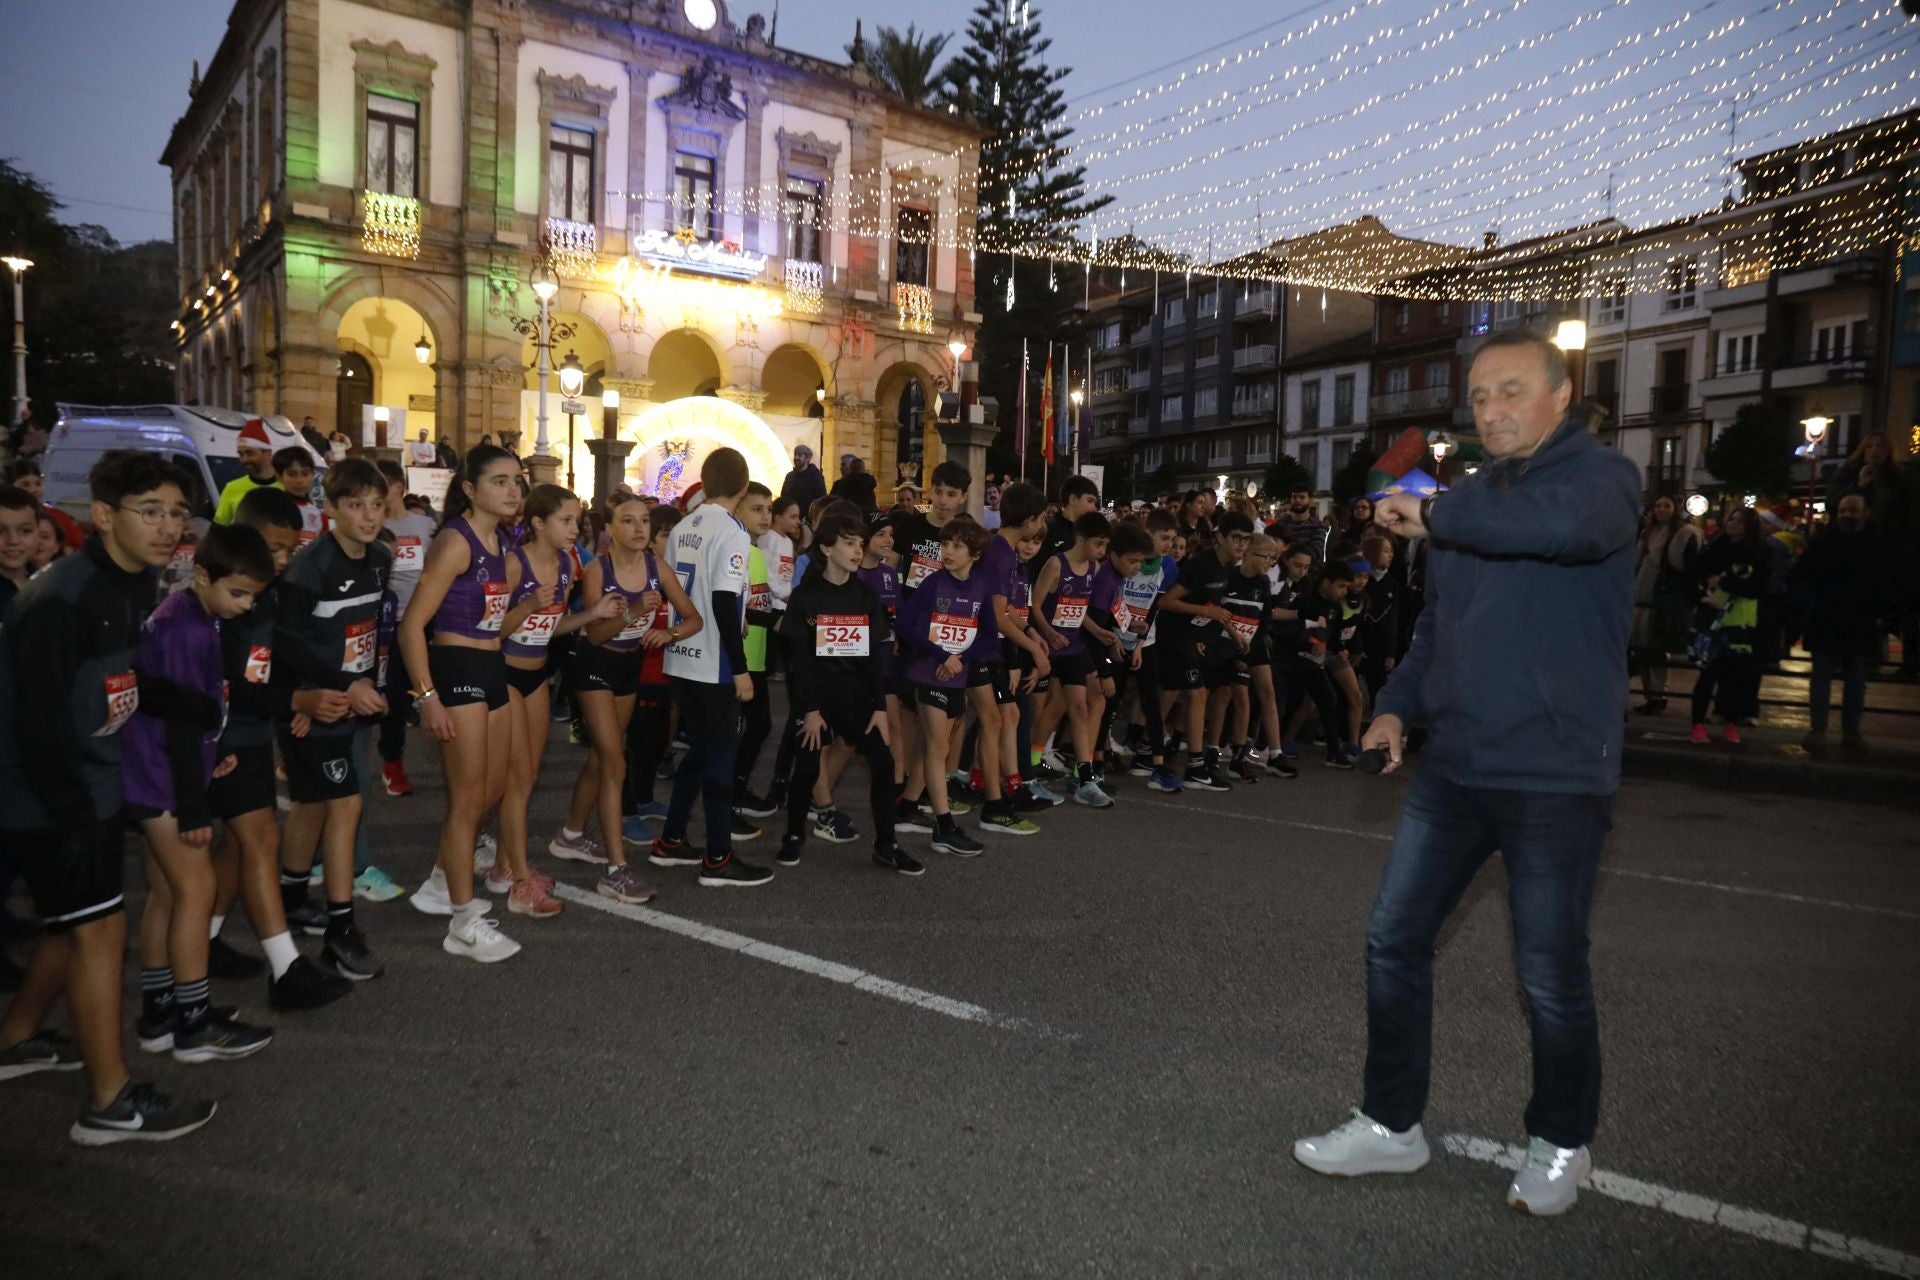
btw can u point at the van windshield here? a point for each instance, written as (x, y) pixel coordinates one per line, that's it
(225, 471)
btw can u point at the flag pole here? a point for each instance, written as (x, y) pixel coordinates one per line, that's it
(1020, 429)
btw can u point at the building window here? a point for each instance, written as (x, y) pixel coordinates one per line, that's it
(1310, 405)
(1738, 352)
(1479, 318)
(1206, 402)
(693, 194)
(1443, 313)
(1342, 451)
(1831, 342)
(1683, 282)
(806, 198)
(1310, 462)
(1397, 378)
(1173, 310)
(913, 236)
(1613, 303)
(1172, 408)
(1109, 337)
(1403, 317)
(1183, 452)
(1209, 304)
(1439, 373)
(393, 145)
(1343, 400)
(1507, 311)
(570, 173)
(1221, 451)
(1150, 458)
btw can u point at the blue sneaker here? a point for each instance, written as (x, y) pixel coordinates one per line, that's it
(1290, 749)
(1342, 757)
(1163, 780)
(1040, 791)
(375, 885)
(833, 826)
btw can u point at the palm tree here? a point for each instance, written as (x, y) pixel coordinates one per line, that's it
(907, 62)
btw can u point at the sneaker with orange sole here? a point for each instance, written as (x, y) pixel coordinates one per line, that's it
(393, 774)
(531, 898)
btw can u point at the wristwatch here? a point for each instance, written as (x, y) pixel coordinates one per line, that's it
(1426, 512)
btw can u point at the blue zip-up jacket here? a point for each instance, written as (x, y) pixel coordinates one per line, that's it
(1518, 666)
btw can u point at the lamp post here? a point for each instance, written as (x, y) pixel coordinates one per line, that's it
(381, 417)
(1571, 337)
(545, 285)
(1077, 395)
(1442, 446)
(572, 377)
(18, 265)
(1816, 429)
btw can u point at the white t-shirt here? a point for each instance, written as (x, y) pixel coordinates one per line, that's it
(412, 535)
(709, 554)
(777, 549)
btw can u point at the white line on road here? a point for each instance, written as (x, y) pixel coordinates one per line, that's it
(1775, 894)
(858, 979)
(1682, 1204)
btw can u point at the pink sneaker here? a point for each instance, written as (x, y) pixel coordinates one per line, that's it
(499, 880)
(1732, 734)
(1699, 735)
(530, 898)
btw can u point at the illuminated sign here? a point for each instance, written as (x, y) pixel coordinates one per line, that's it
(687, 252)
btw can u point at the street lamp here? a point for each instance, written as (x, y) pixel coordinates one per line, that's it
(1697, 505)
(572, 378)
(18, 265)
(1571, 337)
(381, 417)
(423, 350)
(545, 285)
(1816, 429)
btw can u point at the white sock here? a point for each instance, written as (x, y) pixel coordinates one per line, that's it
(213, 927)
(281, 953)
(569, 834)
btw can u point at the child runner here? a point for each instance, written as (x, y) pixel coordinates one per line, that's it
(990, 685)
(707, 663)
(878, 572)
(1141, 592)
(170, 749)
(67, 688)
(247, 860)
(1065, 590)
(539, 579)
(941, 633)
(327, 637)
(295, 466)
(836, 630)
(763, 620)
(412, 533)
(777, 548)
(1329, 634)
(650, 732)
(1250, 599)
(1199, 662)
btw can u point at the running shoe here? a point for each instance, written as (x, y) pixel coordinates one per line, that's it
(472, 936)
(375, 885)
(949, 838)
(393, 776)
(960, 787)
(499, 881)
(1698, 735)
(225, 962)
(216, 1037)
(832, 826)
(622, 883)
(753, 806)
(153, 1027)
(486, 851)
(309, 918)
(956, 808)
(1290, 749)
(1141, 765)
(733, 874)
(305, 985)
(789, 855)
(1245, 770)
(892, 857)
(673, 853)
(1052, 759)
(665, 772)
(1343, 757)
(140, 1114)
(1006, 822)
(1024, 800)
(350, 956)
(1200, 778)
(580, 848)
(45, 1051)
(742, 830)
(1278, 766)
(1549, 1182)
(1041, 791)
(1360, 1147)
(1731, 732)
(908, 816)
(431, 899)
(1043, 773)
(1089, 794)
(1163, 780)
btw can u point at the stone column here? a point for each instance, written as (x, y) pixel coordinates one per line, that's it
(966, 442)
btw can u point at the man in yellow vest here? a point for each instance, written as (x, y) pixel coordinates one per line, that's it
(256, 458)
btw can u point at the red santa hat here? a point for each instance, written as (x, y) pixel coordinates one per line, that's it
(255, 434)
(692, 498)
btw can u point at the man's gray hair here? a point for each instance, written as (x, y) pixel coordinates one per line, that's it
(1550, 353)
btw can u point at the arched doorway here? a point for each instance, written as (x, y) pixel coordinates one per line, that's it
(910, 430)
(908, 444)
(385, 336)
(352, 392)
(682, 364)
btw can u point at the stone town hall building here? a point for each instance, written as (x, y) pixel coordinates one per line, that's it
(764, 239)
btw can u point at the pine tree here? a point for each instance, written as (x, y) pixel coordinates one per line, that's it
(1032, 203)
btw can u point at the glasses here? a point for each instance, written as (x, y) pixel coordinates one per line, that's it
(154, 516)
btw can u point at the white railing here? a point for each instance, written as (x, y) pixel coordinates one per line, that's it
(1420, 400)
(1253, 355)
(806, 287)
(914, 302)
(573, 248)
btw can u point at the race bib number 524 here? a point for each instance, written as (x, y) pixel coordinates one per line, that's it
(841, 636)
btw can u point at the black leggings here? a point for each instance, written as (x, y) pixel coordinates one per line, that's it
(756, 722)
(1146, 684)
(806, 765)
(646, 744)
(1736, 678)
(710, 714)
(1304, 679)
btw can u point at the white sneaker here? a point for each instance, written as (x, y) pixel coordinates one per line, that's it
(1052, 758)
(431, 899)
(474, 937)
(485, 851)
(1360, 1147)
(1549, 1182)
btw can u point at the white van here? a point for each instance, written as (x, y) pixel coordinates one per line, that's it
(199, 439)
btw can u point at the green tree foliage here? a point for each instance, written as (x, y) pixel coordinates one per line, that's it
(1282, 475)
(907, 62)
(1350, 481)
(1755, 454)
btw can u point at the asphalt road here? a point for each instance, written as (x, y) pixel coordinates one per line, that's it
(1143, 1008)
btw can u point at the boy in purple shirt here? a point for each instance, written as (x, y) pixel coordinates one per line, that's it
(169, 748)
(942, 633)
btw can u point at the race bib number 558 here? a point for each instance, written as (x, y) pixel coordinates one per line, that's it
(123, 699)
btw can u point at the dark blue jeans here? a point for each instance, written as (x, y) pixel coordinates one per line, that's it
(710, 714)
(1551, 843)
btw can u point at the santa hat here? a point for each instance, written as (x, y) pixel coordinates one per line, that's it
(692, 498)
(255, 434)
(1775, 517)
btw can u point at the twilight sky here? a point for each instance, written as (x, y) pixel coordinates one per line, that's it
(1239, 124)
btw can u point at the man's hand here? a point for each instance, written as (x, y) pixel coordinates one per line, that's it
(325, 705)
(881, 725)
(1387, 734)
(811, 728)
(743, 687)
(1400, 513)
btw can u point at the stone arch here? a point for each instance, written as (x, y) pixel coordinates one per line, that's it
(686, 362)
(792, 373)
(383, 329)
(425, 296)
(906, 444)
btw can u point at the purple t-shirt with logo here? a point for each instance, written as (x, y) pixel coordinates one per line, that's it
(945, 617)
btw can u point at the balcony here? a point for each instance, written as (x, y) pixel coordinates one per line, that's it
(1142, 336)
(573, 248)
(390, 225)
(1669, 401)
(914, 303)
(1259, 455)
(1139, 379)
(1137, 426)
(1394, 404)
(1206, 362)
(1668, 479)
(1261, 302)
(806, 287)
(1245, 411)
(1265, 356)
(1608, 401)
(1832, 367)
(1108, 393)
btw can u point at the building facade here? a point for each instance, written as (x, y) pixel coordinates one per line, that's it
(764, 239)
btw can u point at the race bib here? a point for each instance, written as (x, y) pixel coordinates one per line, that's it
(1123, 616)
(408, 555)
(783, 569)
(307, 535)
(363, 643)
(636, 629)
(123, 699)
(495, 611)
(757, 596)
(259, 664)
(1346, 633)
(920, 568)
(1244, 628)
(536, 632)
(380, 675)
(953, 632)
(1018, 612)
(1069, 612)
(841, 636)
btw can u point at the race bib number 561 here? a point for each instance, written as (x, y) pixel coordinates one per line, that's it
(362, 646)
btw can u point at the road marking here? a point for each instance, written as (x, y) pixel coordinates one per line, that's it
(1776, 894)
(832, 971)
(1683, 1204)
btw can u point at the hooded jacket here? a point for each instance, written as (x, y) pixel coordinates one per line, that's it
(1518, 666)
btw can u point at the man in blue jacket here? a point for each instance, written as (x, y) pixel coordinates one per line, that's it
(1518, 671)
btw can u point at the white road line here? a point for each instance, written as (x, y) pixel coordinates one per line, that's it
(1775, 894)
(1682, 1204)
(858, 979)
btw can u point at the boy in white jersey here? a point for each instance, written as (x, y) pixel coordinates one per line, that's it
(708, 672)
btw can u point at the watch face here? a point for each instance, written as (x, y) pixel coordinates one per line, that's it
(701, 13)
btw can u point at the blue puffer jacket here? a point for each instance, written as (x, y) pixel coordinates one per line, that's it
(1518, 665)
